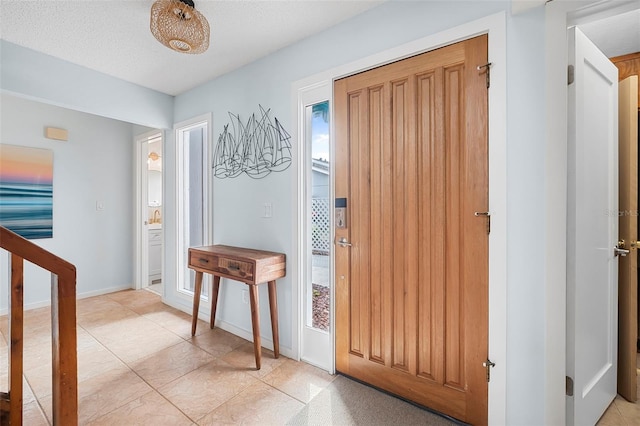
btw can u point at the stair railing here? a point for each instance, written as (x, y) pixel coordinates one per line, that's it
(63, 331)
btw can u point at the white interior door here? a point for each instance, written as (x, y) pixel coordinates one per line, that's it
(592, 267)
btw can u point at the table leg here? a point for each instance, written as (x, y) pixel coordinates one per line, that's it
(255, 322)
(273, 308)
(196, 302)
(214, 299)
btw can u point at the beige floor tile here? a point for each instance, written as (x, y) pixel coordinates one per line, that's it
(259, 404)
(612, 417)
(149, 409)
(101, 310)
(104, 393)
(4, 326)
(35, 356)
(177, 322)
(630, 411)
(93, 359)
(218, 342)
(138, 301)
(299, 380)
(200, 391)
(134, 338)
(32, 415)
(244, 357)
(171, 363)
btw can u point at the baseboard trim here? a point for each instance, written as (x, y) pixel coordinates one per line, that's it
(85, 295)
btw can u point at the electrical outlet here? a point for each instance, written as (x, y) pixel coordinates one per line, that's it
(245, 296)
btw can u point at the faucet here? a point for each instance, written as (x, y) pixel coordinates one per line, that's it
(156, 216)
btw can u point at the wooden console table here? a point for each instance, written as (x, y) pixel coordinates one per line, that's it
(249, 266)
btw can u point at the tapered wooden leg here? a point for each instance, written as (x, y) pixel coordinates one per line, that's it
(214, 300)
(196, 302)
(273, 308)
(255, 322)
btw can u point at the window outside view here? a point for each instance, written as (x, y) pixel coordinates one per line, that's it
(320, 223)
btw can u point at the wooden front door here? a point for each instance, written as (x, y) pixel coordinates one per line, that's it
(412, 288)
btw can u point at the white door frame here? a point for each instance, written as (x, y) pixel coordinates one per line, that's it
(173, 296)
(559, 15)
(141, 255)
(495, 26)
(311, 340)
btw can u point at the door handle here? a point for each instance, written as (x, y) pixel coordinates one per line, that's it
(619, 250)
(343, 242)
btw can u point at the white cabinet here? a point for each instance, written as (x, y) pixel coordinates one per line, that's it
(155, 255)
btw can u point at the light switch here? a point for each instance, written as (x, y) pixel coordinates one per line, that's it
(99, 205)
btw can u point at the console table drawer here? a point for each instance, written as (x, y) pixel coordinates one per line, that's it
(247, 265)
(235, 268)
(203, 260)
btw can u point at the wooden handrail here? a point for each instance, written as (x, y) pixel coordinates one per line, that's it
(63, 330)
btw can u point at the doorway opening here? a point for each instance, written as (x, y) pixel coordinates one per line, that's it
(611, 29)
(154, 213)
(149, 232)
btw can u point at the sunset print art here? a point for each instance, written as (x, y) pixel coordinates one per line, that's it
(26, 191)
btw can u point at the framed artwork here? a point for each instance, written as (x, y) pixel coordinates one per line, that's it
(26, 191)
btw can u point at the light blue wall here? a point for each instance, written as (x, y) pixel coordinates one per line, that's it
(94, 165)
(237, 202)
(525, 191)
(39, 77)
(268, 82)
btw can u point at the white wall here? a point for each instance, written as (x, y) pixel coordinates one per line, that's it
(95, 164)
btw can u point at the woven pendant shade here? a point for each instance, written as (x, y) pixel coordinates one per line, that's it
(177, 25)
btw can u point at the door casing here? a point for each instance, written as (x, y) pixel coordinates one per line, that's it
(141, 259)
(495, 27)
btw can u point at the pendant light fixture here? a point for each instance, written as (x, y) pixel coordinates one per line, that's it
(179, 26)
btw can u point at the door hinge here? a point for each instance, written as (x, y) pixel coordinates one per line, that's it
(488, 365)
(487, 215)
(487, 68)
(569, 386)
(570, 74)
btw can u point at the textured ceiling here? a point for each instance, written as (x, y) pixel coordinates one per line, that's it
(113, 36)
(616, 35)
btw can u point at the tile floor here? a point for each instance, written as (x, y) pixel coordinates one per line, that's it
(138, 364)
(622, 412)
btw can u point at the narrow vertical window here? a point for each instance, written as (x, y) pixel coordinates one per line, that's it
(193, 213)
(318, 288)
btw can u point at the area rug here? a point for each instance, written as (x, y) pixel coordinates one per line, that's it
(347, 402)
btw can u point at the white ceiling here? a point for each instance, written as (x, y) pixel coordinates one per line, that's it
(616, 35)
(113, 36)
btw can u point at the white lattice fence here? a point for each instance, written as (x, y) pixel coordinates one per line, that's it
(320, 225)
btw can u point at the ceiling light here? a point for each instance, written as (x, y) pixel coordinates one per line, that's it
(179, 26)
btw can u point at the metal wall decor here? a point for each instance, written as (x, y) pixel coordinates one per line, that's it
(257, 148)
